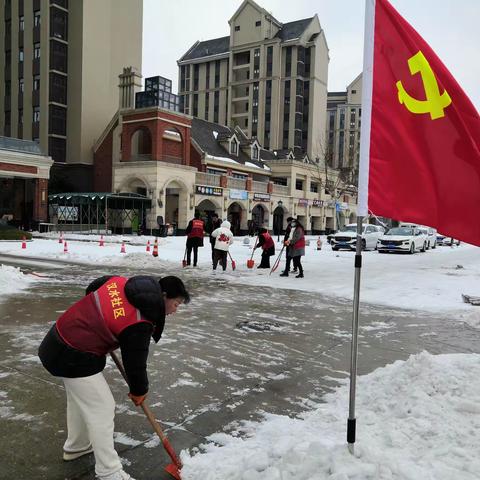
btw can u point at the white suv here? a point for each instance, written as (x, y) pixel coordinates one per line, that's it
(347, 237)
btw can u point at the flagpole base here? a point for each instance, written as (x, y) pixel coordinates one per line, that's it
(351, 428)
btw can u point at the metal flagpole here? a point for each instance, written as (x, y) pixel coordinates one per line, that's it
(362, 209)
(351, 423)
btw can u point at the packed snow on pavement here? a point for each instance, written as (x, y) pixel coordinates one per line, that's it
(416, 419)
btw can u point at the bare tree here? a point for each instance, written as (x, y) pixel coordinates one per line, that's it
(338, 181)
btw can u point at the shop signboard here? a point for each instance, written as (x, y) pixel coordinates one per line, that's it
(261, 197)
(238, 194)
(205, 190)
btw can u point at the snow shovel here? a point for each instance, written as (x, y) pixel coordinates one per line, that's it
(234, 265)
(250, 262)
(184, 261)
(277, 261)
(172, 468)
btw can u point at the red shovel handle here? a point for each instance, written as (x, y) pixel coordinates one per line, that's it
(151, 418)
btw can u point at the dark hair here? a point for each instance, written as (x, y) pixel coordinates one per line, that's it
(262, 230)
(173, 287)
(289, 219)
(197, 214)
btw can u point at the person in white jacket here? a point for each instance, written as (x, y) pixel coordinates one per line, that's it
(223, 239)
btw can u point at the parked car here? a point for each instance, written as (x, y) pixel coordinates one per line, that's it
(347, 237)
(403, 239)
(444, 240)
(430, 235)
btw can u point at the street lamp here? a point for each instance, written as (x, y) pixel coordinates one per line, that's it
(279, 227)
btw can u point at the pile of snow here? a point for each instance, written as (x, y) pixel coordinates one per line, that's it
(13, 280)
(418, 419)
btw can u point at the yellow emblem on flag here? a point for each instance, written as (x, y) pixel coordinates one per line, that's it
(435, 102)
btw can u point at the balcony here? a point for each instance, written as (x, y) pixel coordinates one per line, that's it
(260, 187)
(281, 189)
(208, 179)
(236, 183)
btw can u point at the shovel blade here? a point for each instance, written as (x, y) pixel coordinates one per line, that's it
(250, 263)
(173, 471)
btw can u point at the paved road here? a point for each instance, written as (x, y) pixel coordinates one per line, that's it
(234, 352)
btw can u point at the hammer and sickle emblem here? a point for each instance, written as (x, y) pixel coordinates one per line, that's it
(435, 103)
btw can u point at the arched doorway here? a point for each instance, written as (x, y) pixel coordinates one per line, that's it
(278, 221)
(207, 208)
(234, 215)
(141, 145)
(175, 199)
(258, 216)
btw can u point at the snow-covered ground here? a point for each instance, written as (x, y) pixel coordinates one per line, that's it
(432, 281)
(418, 419)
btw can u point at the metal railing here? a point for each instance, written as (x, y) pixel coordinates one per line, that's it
(209, 179)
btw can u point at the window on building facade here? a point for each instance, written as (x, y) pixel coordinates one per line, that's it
(195, 105)
(182, 78)
(36, 114)
(288, 61)
(57, 121)
(217, 73)
(20, 55)
(255, 152)
(353, 92)
(300, 61)
(21, 85)
(314, 187)
(196, 68)
(216, 101)
(256, 63)
(58, 56)
(36, 50)
(57, 149)
(207, 105)
(58, 23)
(234, 146)
(8, 88)
(269, 61)
(21, 23)
(36, 18)
(36, 82)
(20, 116)
(280, 181)
(58, 88)
(207, 75)
(237, 28)
(307, 61)
(258, 23)
(298, 184)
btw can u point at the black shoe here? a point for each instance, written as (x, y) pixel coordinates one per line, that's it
(300, 275)
(284, 274)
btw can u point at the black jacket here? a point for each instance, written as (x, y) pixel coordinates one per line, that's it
(144, 293)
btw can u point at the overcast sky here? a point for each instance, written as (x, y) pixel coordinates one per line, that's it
(451, 27)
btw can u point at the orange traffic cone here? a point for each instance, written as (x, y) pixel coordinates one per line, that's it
(24, 243)
(60, 238)
(102, 241)
(155, 248)
(148, 245)
(122, 250)
(65, 247)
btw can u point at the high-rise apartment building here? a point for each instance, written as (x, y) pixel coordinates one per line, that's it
(60, 62)
(344, 118)
(268, 78)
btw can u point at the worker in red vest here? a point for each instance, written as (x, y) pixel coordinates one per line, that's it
(195, 232)
(266, 243)
(116, 312)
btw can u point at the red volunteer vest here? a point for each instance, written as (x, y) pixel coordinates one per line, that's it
(197, 229)
(94, 323)
(268, 241)
(301, 242)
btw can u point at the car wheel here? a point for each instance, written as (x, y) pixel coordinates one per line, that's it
(434, 246)
(428, 245)
(424, 248)
(412, 248)
(334, 248)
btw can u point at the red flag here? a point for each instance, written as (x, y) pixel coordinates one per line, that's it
(423, 164)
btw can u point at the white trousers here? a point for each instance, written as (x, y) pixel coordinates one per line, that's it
(90, 415)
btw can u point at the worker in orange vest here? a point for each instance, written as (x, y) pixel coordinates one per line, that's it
(195, 232)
